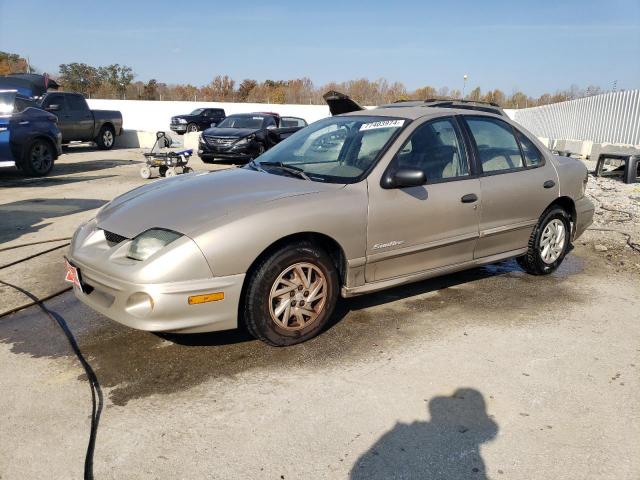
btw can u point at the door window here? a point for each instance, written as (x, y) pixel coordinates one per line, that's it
(287, 122)
(436, 149)
(76, 103)
(497, 146)
(55, 100)
(269, 122)
(532, 155)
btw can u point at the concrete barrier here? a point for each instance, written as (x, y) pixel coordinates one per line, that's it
(600, 148)
(136, 139)
(575, 147)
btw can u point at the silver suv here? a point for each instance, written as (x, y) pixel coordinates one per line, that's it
(349, 205)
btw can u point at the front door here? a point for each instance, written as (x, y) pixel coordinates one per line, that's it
(415, 229)
(65, 123)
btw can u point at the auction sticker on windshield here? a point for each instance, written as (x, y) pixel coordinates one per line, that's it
(381, 124)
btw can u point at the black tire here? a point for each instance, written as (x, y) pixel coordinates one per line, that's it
(106, 138)
(255, 309)
(532, 262)
(192, 127)
(162, 170)
(38, 158)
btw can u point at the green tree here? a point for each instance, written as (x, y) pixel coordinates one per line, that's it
(80, 77)
(117, 76)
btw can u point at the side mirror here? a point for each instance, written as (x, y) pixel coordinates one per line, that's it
(404, 177)
(214, 124)
(271, 127)
(54, 107)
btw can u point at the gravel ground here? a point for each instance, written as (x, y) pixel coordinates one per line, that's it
(615, 233)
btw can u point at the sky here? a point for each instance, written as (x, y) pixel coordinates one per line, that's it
(534, 46)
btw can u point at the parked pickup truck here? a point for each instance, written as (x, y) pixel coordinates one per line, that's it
(199, 119)
(78, 123)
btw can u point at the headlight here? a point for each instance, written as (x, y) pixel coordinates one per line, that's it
(244, 140)
(150, 242)
(182, 120)
(201, 139)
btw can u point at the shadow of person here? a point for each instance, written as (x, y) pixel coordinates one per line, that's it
(446, 447)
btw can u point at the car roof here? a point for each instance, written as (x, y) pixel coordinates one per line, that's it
(419, 111)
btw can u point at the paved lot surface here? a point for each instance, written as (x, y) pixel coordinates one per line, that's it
(489, 373)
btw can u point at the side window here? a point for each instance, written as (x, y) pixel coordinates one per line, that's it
(76, 103)
(292, 122)
(436, 149)
(496, 144)
(21, 104)
(532, 155)
(269, 122)
(55, 100)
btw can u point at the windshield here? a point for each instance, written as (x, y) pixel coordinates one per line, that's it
(6, 102)
(242, 121)
(197, 111)
(336, 149)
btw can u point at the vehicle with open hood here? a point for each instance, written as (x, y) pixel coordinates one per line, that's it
(352, 204)
(244, 136)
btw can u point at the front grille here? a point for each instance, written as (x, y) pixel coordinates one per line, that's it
(220, 141)
(113, 238)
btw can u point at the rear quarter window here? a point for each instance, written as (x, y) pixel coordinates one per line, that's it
(532, 155)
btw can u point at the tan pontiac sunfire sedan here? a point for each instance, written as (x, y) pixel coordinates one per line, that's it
(349, 205)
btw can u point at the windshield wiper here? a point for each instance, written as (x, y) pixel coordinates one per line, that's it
(297, 171)
(256, 166)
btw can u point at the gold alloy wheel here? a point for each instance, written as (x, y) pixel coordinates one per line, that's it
(298, 296)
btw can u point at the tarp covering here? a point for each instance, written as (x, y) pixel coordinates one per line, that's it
(28, 84)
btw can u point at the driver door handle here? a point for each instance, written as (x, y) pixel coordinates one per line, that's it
(469, 198)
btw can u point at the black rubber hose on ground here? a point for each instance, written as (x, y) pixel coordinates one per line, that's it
(97, 401)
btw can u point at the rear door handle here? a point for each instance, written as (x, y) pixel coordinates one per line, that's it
(549, 184)
(469, 198)
(24, 122)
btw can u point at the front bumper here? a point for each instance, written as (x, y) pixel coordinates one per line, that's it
(152, 295)
(584, 216)
(178, 127)
(244, 152)
(171, 311)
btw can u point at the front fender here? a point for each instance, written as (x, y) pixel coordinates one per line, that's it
(236, 241)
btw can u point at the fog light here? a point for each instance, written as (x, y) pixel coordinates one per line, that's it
(208, 297)
(139, 304)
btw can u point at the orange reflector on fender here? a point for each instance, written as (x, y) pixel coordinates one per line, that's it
(207, 297)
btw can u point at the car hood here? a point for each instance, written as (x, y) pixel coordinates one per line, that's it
(187, 203)
(229, 132)
(187, 117)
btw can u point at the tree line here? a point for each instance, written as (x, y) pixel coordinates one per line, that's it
(117, 81)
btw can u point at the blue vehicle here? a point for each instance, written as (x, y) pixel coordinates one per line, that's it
(29, 136)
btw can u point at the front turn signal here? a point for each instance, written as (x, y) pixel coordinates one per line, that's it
(207, 297)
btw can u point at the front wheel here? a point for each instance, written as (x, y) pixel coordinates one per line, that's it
(106, 138)
(192, 127)
(38, 158)
(291, 295)
(548, 244)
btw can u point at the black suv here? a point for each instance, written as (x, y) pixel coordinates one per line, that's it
(244, 136)
(199, 119)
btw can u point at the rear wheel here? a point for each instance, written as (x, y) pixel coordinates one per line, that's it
(291, 295)
(548, 244)
(171, 172)
(106, 138)
(38, 158)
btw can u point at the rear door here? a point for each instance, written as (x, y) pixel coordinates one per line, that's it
(81, 117)
(517, 185)
(65, 124)
(416, 229)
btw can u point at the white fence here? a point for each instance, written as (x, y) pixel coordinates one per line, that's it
(607, 118)
(156, 115)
